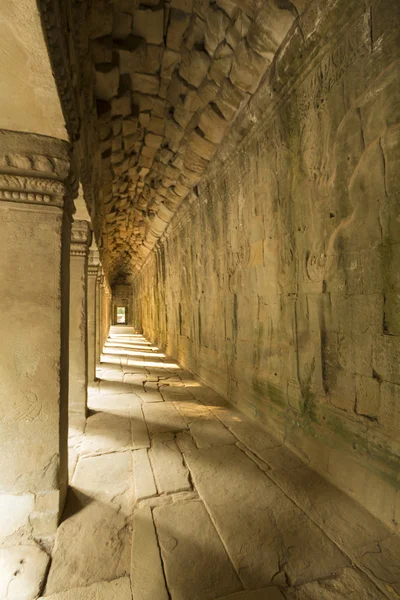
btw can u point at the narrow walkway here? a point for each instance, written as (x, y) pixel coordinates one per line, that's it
(176, 496)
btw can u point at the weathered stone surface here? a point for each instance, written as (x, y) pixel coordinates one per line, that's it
(213, 124)
(347, 583)
(143, 475)
(140, 436)
(107, 81)
(22, 571)
(148, 24)
(178, 23)
(145, 84)
(107, 432)
(98, 507)
(270, 593)
(163, 417)
(190, 571)
(119, 589)
(254, 548)
(170, 472)
(146, 570)
(209, 432)
(194, 66)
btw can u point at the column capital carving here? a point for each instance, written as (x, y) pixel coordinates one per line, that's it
(94, 262)
(36, 170)
(81, 238)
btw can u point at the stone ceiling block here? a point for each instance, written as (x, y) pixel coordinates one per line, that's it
(154, 141)
(106, 81)
(101, 18)
(247, 68)
(195, 33)
(194, 66)
(122, 105)
(146, 58)
(122, 25)
(146, 84)
(178, 23)
(238, 29)
(101, 50)
(217, 22)
(212, 124)
(170, 60)
(149, 25)
(201, 146)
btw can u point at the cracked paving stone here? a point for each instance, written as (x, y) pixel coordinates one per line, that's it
(170, 472)
(382, 561)
(106, 432)
(109, 388)
(96, 524)
(22, 571)
(150, 393)
(146, 570)
(195, 561)
(276, 542)
(119, 589)
(143, 475)
(140, 436)
(347, 584)
(163, 417)
(210, 432)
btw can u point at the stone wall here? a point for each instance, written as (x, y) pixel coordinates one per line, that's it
(278, 282)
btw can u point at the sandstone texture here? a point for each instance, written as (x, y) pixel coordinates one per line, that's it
(197, 513)
(276, 282)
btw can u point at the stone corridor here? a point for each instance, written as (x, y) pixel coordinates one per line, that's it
(177, 496)
(200, 299)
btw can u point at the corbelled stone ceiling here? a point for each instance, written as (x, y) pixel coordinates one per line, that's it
(168, 79)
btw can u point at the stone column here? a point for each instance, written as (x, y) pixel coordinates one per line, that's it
(35, 224)
(93, 269)
(98, 313)
(78, 355)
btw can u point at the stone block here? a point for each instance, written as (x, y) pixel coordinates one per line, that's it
(122, 105)
(194, 66)
(149, 25)
(101, 50)
(106, 81)
(122, 25)
(238, 29)
(22, 571)
(212, 124)
(170, 60)
(247, 68)
(146, 84)
(178, 23)
(217, 22)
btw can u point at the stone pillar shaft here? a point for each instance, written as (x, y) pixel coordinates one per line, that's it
(35, 223)
(91, 313)
(78, 360)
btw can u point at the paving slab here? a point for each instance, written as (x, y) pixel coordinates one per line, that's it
(93, 540)
(106, 432)
(269, 593)
(150, 393)
(119, 589)
(347, 584)
(195, 561)
(170, 472)
(140, 436)
(143, 475)
(147, 576)
(275, 542)
(22, 571)
(343, 519)
(109, 388)
(210, 432)
(117, 404)
(190, 409)
(162, 417)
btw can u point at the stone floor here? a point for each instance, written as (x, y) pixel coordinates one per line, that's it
(176, 496)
